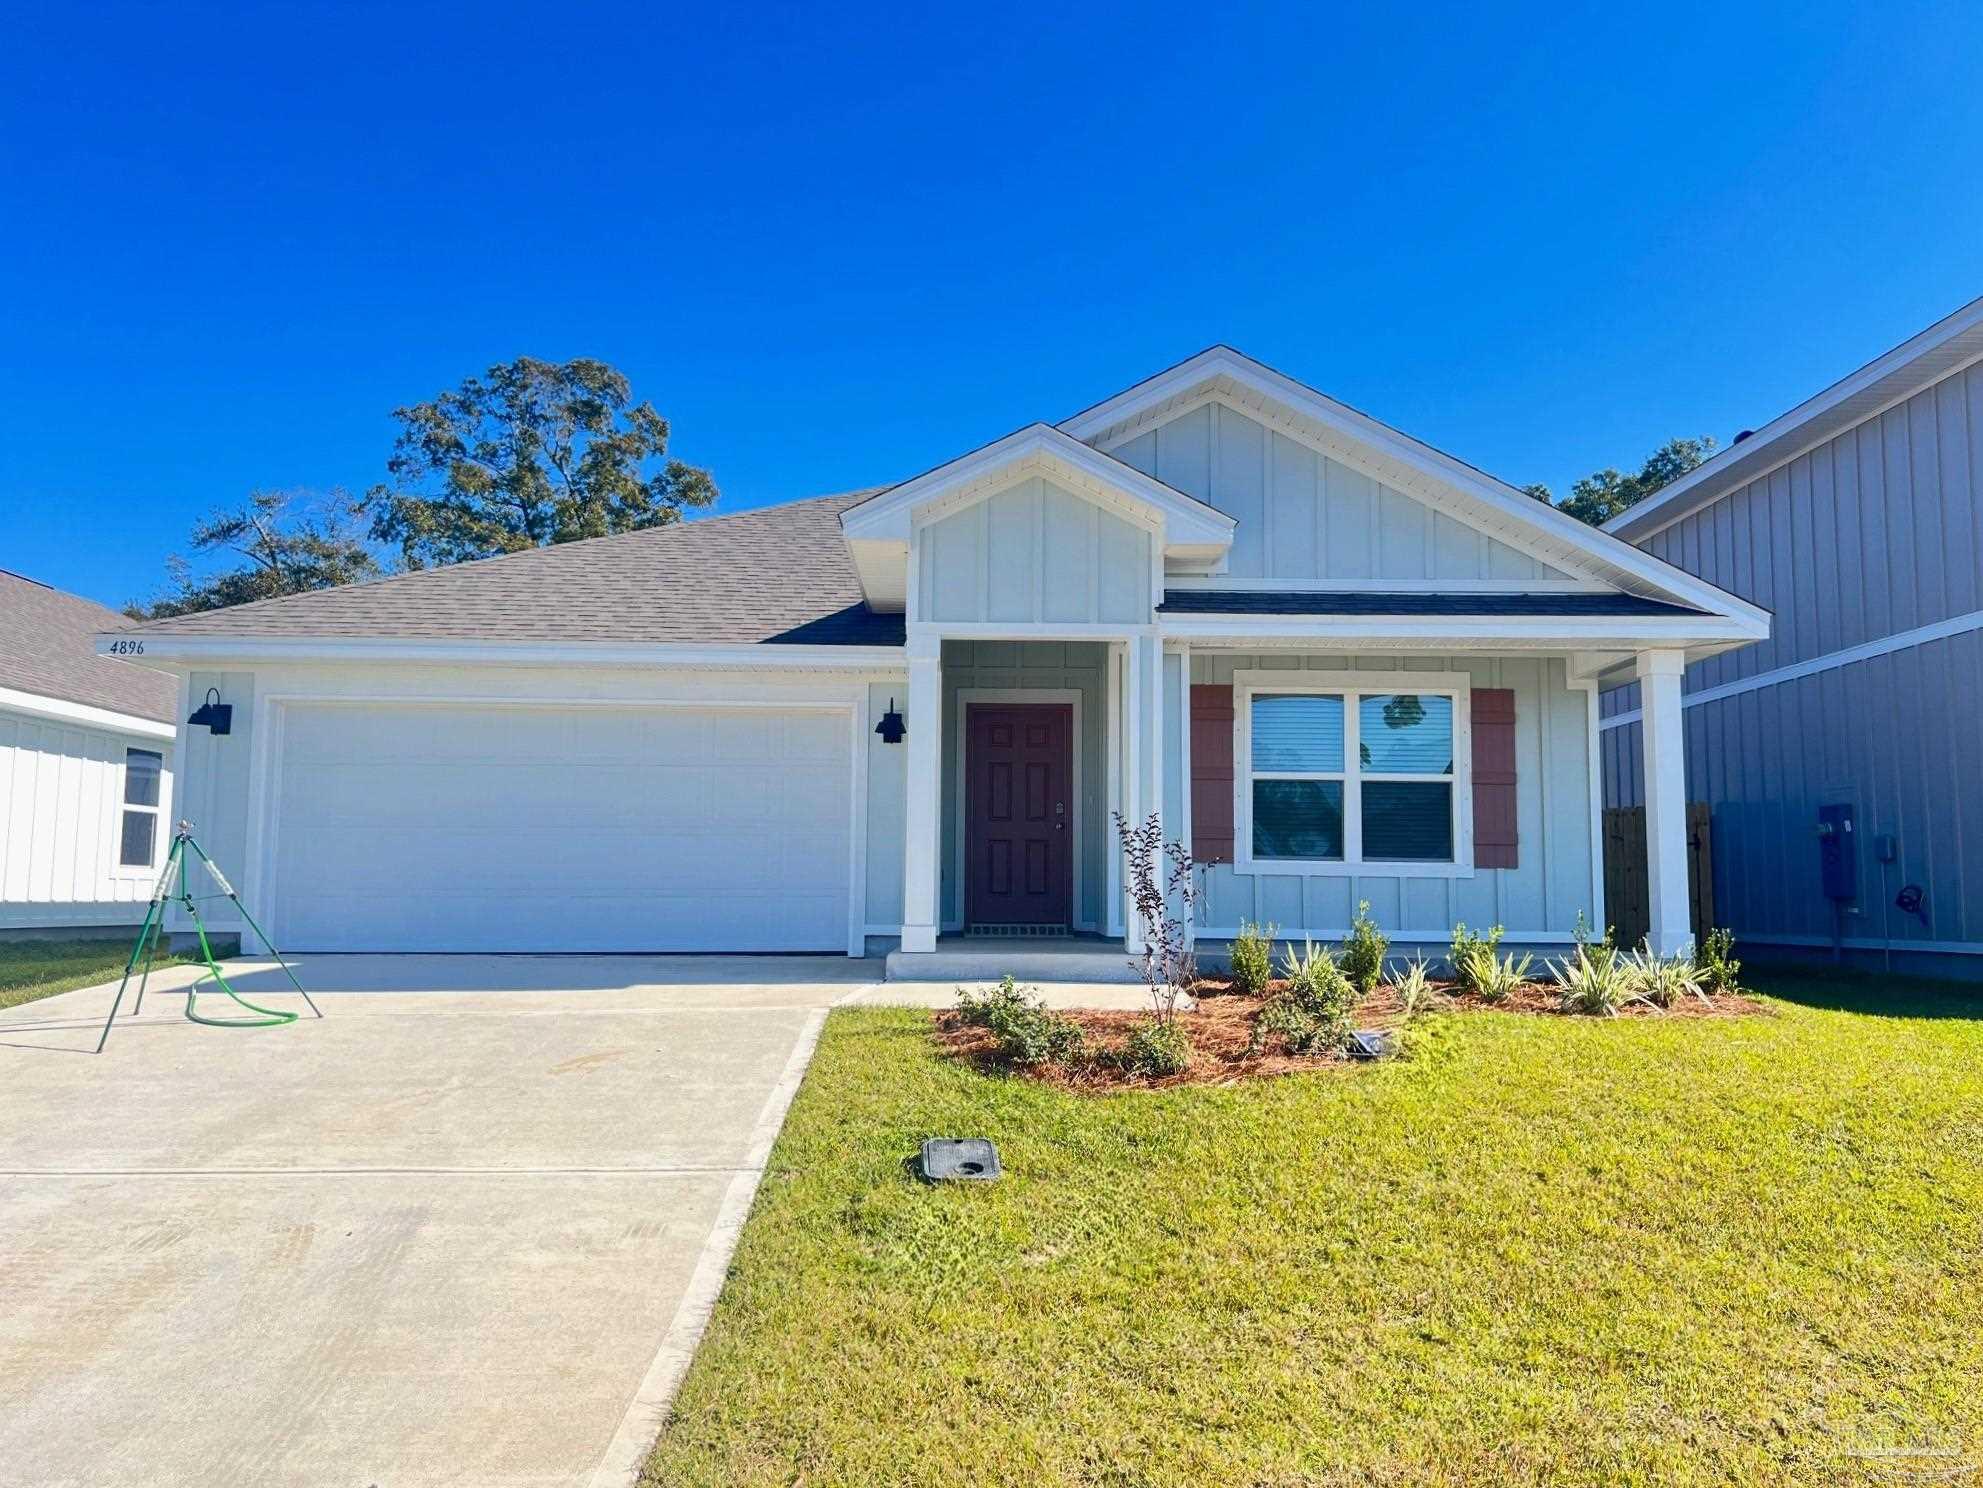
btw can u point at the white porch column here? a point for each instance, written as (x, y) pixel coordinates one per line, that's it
(922, 844)
(1664, 735)
(1134, 721)
(1143, 705)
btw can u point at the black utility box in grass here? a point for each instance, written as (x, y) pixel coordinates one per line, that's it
(959, 1160)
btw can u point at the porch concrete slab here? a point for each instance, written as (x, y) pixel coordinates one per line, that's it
(443, 1235)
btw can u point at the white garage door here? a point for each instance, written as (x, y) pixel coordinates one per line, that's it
(440, 828)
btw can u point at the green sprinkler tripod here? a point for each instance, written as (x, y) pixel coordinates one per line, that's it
(172, 888)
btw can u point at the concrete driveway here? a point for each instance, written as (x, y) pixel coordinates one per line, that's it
(465, 1230)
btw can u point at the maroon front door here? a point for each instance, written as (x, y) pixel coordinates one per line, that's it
(1018, 813)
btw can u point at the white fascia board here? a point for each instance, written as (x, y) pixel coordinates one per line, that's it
(1403, 461)
(82, 715)
(214, 650)
(1947, 346)
(1186, 522)
(1598, 633)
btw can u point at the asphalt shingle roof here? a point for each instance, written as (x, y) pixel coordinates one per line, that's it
(47, 647)
(780, 575)
(1304, 602)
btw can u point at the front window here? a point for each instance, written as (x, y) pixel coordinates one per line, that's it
(139, 836)
(1338, 777)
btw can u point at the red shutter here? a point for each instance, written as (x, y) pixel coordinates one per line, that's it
(1211, 774)
(1494, 777)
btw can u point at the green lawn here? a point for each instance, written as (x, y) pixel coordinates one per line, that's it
(41, 968)
(1541, 1250)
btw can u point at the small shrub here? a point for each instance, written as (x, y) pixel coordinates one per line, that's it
(1718, 967)
(1415, 987)
(1595, 981)
(983, 1009)
(1027, 1033)
(1363, 952)
(1157, 1048)
(1663, 980)
(1311, 1014)
(1252, 958)
(1494, 978)
(1464, 948)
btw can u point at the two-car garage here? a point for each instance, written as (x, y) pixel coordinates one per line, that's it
(609, 827)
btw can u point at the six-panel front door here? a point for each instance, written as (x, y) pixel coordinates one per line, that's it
(1018, 814)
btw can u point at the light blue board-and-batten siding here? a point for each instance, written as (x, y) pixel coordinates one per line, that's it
(1537, 901)
(1306, 518)
(1036, 552)
(1874, 533)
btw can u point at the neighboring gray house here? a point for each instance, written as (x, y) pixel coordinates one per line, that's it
(1345, 665)
(1857, 519)
(85, 767)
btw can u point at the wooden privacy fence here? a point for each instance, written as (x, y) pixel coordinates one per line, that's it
(1628, 896)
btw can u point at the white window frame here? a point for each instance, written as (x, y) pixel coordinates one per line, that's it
(1350, 686)
(119, 867)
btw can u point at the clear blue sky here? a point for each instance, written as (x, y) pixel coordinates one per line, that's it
(836, 248)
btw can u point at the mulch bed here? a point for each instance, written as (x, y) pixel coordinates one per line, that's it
(1220, 1028)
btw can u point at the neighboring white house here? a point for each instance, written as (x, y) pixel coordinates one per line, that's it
(1344, 665)
(85, 767)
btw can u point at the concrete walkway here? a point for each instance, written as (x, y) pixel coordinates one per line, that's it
(464, 1230)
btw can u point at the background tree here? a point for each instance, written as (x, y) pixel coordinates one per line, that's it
(528, 454)
(292, 543)
(1603, 494)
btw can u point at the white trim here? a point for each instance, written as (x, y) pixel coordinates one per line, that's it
(1921, 635)
(83, 715)
(1183, 829)
(1683, 497)
(272, 711)
(1704, 633)
(1408, 465)
(1456, 685)
(1113, 731)
(1222, 584)
(213, 649)
(1051, 696)
(1027, 630)
(647, 1413)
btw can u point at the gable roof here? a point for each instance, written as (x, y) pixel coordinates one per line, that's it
(47, 648)
(1946, 346)
(778, 575)
(1395, 458)
(1187, 521)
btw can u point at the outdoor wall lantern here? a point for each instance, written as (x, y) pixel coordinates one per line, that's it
(215, 715)
(891, 728)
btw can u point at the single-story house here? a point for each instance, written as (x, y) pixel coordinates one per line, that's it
(85, 768)
(1838, 757)
(1342, 664)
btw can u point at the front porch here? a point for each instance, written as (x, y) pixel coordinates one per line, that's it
(1469, 791)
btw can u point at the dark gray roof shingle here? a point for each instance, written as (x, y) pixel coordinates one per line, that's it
(47, 647)
(1306, 602)
(780, 575)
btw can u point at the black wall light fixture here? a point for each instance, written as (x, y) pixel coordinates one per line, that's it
(891, 728)
(213, 714)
